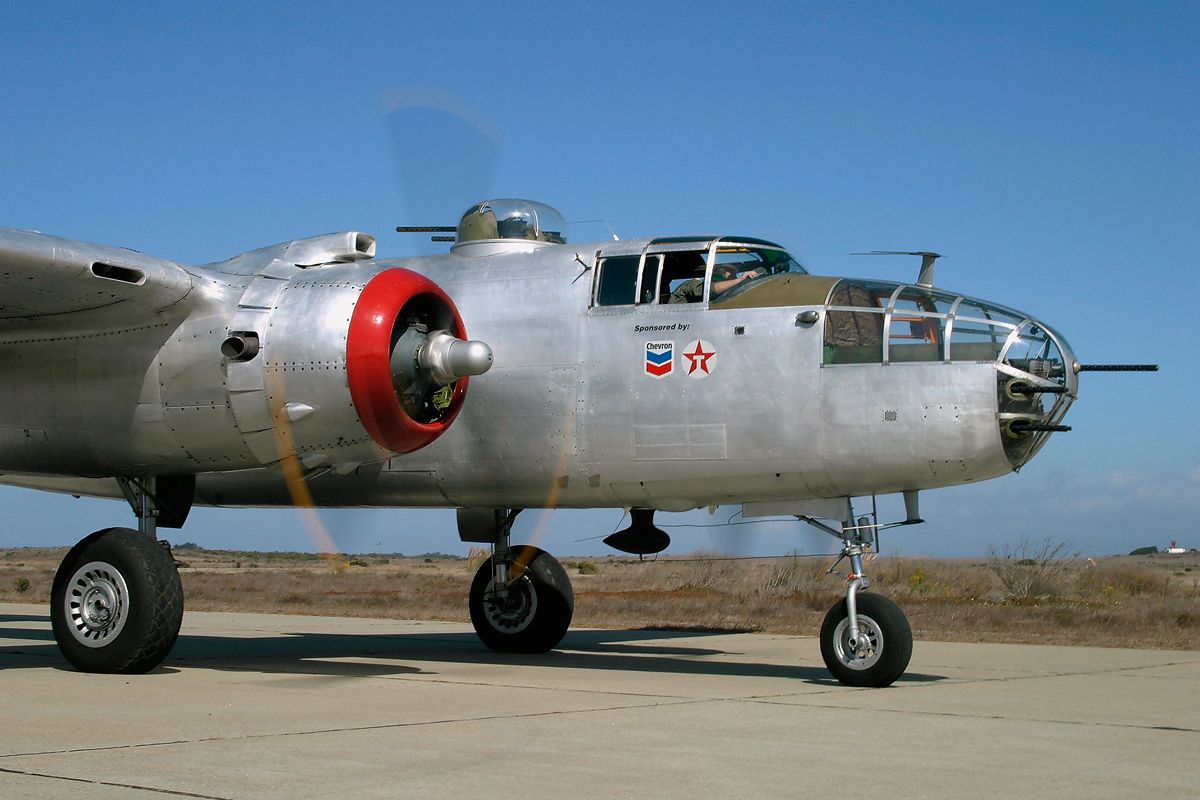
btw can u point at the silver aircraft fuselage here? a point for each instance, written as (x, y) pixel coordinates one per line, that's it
(603, 393)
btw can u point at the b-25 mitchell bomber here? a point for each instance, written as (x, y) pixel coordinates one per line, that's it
(610, 374)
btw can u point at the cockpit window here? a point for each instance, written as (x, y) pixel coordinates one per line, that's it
(739, 268)
(681, 273)
(617, 282)
(768, 262)
(682, 277)
(661, 277)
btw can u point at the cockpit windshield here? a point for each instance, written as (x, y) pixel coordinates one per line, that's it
(738, 267)
(742, 258)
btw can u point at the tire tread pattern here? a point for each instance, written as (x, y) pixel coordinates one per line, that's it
(155, 613)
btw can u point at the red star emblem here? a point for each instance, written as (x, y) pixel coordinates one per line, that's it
(699, 359)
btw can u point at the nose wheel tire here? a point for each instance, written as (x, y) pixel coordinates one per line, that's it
(533, 613)
(117, 603)
(883, 648)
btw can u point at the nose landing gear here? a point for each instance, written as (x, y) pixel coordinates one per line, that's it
(877, 652)
(865, 638)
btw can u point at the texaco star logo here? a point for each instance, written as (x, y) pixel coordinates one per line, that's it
(701, 357)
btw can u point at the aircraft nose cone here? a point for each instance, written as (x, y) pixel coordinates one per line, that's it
(1036, 391)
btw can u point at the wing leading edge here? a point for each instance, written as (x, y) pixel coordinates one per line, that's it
(48, 283)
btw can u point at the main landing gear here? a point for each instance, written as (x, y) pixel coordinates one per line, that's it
(117, 602)
(865, 638)
(521, 599)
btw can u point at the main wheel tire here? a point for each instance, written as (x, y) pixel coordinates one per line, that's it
(533, 616)
(889, 639)
(117, 603)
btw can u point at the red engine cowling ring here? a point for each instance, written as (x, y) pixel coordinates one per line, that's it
(368, 357)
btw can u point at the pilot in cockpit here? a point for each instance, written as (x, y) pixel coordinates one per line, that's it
(725, 277)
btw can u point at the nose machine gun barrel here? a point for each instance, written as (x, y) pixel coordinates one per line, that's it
(1019, 426)
(1028, 389)
(1116, 367)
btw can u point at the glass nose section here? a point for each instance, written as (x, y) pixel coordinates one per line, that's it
(1037, 384)
(1035, 351)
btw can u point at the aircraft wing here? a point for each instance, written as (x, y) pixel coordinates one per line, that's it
(50, 284)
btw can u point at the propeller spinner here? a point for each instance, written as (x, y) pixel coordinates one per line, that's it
(405, 348)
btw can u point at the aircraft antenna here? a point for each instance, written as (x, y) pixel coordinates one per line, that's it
(925, 276)
(602, 222)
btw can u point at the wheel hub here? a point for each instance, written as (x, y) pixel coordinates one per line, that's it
(863, 652)
(96, 603)
(97, 607)
(510, 610)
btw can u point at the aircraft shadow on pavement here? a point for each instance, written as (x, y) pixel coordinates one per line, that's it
(374, 655)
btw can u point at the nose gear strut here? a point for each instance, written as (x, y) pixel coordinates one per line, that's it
(865, 639)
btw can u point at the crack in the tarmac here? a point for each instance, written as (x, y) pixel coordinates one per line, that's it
(958, 715)
(113, 784)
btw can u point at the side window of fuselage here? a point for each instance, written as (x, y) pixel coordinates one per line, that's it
(663, 278)
(648, 285)
(617, 281)
(682, 277)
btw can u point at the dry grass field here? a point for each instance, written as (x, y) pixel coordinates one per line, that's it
(1148, 601)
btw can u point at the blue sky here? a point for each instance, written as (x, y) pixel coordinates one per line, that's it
(1050, 150)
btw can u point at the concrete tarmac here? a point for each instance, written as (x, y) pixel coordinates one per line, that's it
(259, 706)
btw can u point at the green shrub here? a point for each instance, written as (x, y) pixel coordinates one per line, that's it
(918, 581)
(1031, 570)
(21, 585)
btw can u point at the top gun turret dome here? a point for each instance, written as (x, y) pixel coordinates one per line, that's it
(497, 225)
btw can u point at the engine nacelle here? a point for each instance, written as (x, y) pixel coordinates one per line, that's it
(342, 372)
(303, 348)
(393, 366)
